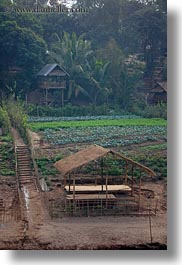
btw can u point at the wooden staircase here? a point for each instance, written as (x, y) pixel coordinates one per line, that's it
(33, 210)
(24, 168)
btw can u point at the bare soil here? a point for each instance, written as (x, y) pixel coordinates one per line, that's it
(93, 233)
(103, 232)
(86, 233)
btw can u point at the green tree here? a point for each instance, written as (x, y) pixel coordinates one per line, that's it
(98, 81)
(145, 27)
(71, 52)
(19, 48)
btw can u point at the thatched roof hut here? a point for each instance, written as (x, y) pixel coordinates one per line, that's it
(89, 154)
(104, 191)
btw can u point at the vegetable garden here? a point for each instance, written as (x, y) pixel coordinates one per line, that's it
(107, 131)
(145, 140)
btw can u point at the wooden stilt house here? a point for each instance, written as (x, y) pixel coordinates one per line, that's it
(157, 94)
(53, 77)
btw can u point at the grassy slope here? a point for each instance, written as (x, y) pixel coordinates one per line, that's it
(123, 122)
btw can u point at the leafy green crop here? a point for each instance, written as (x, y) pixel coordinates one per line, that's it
(106, 136)
(40, 126)
(82, 118)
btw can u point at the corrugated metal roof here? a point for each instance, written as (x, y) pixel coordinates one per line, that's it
(159, 87)
(48, 68)
(163, 85)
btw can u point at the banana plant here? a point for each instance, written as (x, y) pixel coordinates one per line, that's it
(72, 52)
(99, 80)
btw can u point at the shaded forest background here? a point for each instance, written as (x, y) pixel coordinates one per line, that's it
(108, 51)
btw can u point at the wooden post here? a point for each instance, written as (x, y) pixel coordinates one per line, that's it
(106, 191)
(140, 184)
(95, 180)
(88, 208)
(46, 96)
(126, 172)
(150, 224)
(102, 173)
(69, 181)
(132, 170)
(62, 97)
(106, 185)
(74, 204)
(64, 181)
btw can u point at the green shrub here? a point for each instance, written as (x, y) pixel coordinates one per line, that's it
(4, 121)
(73, 111)
(150, 111)
(17, 115)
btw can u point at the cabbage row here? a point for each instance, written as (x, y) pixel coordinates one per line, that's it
(82, 118)
(110, 136)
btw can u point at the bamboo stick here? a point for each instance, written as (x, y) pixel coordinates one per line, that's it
(106, 191)
(140, 191)
(126, 172)
(74, 205)
(132, 190)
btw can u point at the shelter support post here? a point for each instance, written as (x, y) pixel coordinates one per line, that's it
(69, 181)
(106, 191)
(65, 181)
(102, 172)
(126, 172)
(132, 170)
(74, 201)
(96, 180)
(107, 187)
(140, 184)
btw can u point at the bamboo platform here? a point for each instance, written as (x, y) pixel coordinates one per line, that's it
(98, 188)
(91, 197)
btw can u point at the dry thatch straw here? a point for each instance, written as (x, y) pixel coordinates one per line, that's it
(89, 154)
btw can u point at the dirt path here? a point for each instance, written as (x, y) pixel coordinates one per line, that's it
(120, 232)
(33, 210)
(101, 232)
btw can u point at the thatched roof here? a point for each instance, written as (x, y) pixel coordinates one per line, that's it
(89, 154)
(80, 158)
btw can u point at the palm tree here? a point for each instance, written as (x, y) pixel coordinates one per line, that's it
(99, 80)
(72, 52)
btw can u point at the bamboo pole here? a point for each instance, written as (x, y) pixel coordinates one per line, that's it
(96, 180)
(74, 205)
(132, 190)
(69, 181)
(140, 184)
(106, 185)
(106, 191)
(62, 97)
(126, 172)
(150, 224)
(65, 181)
(88, 208)
(46, 96)
(102, 173)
